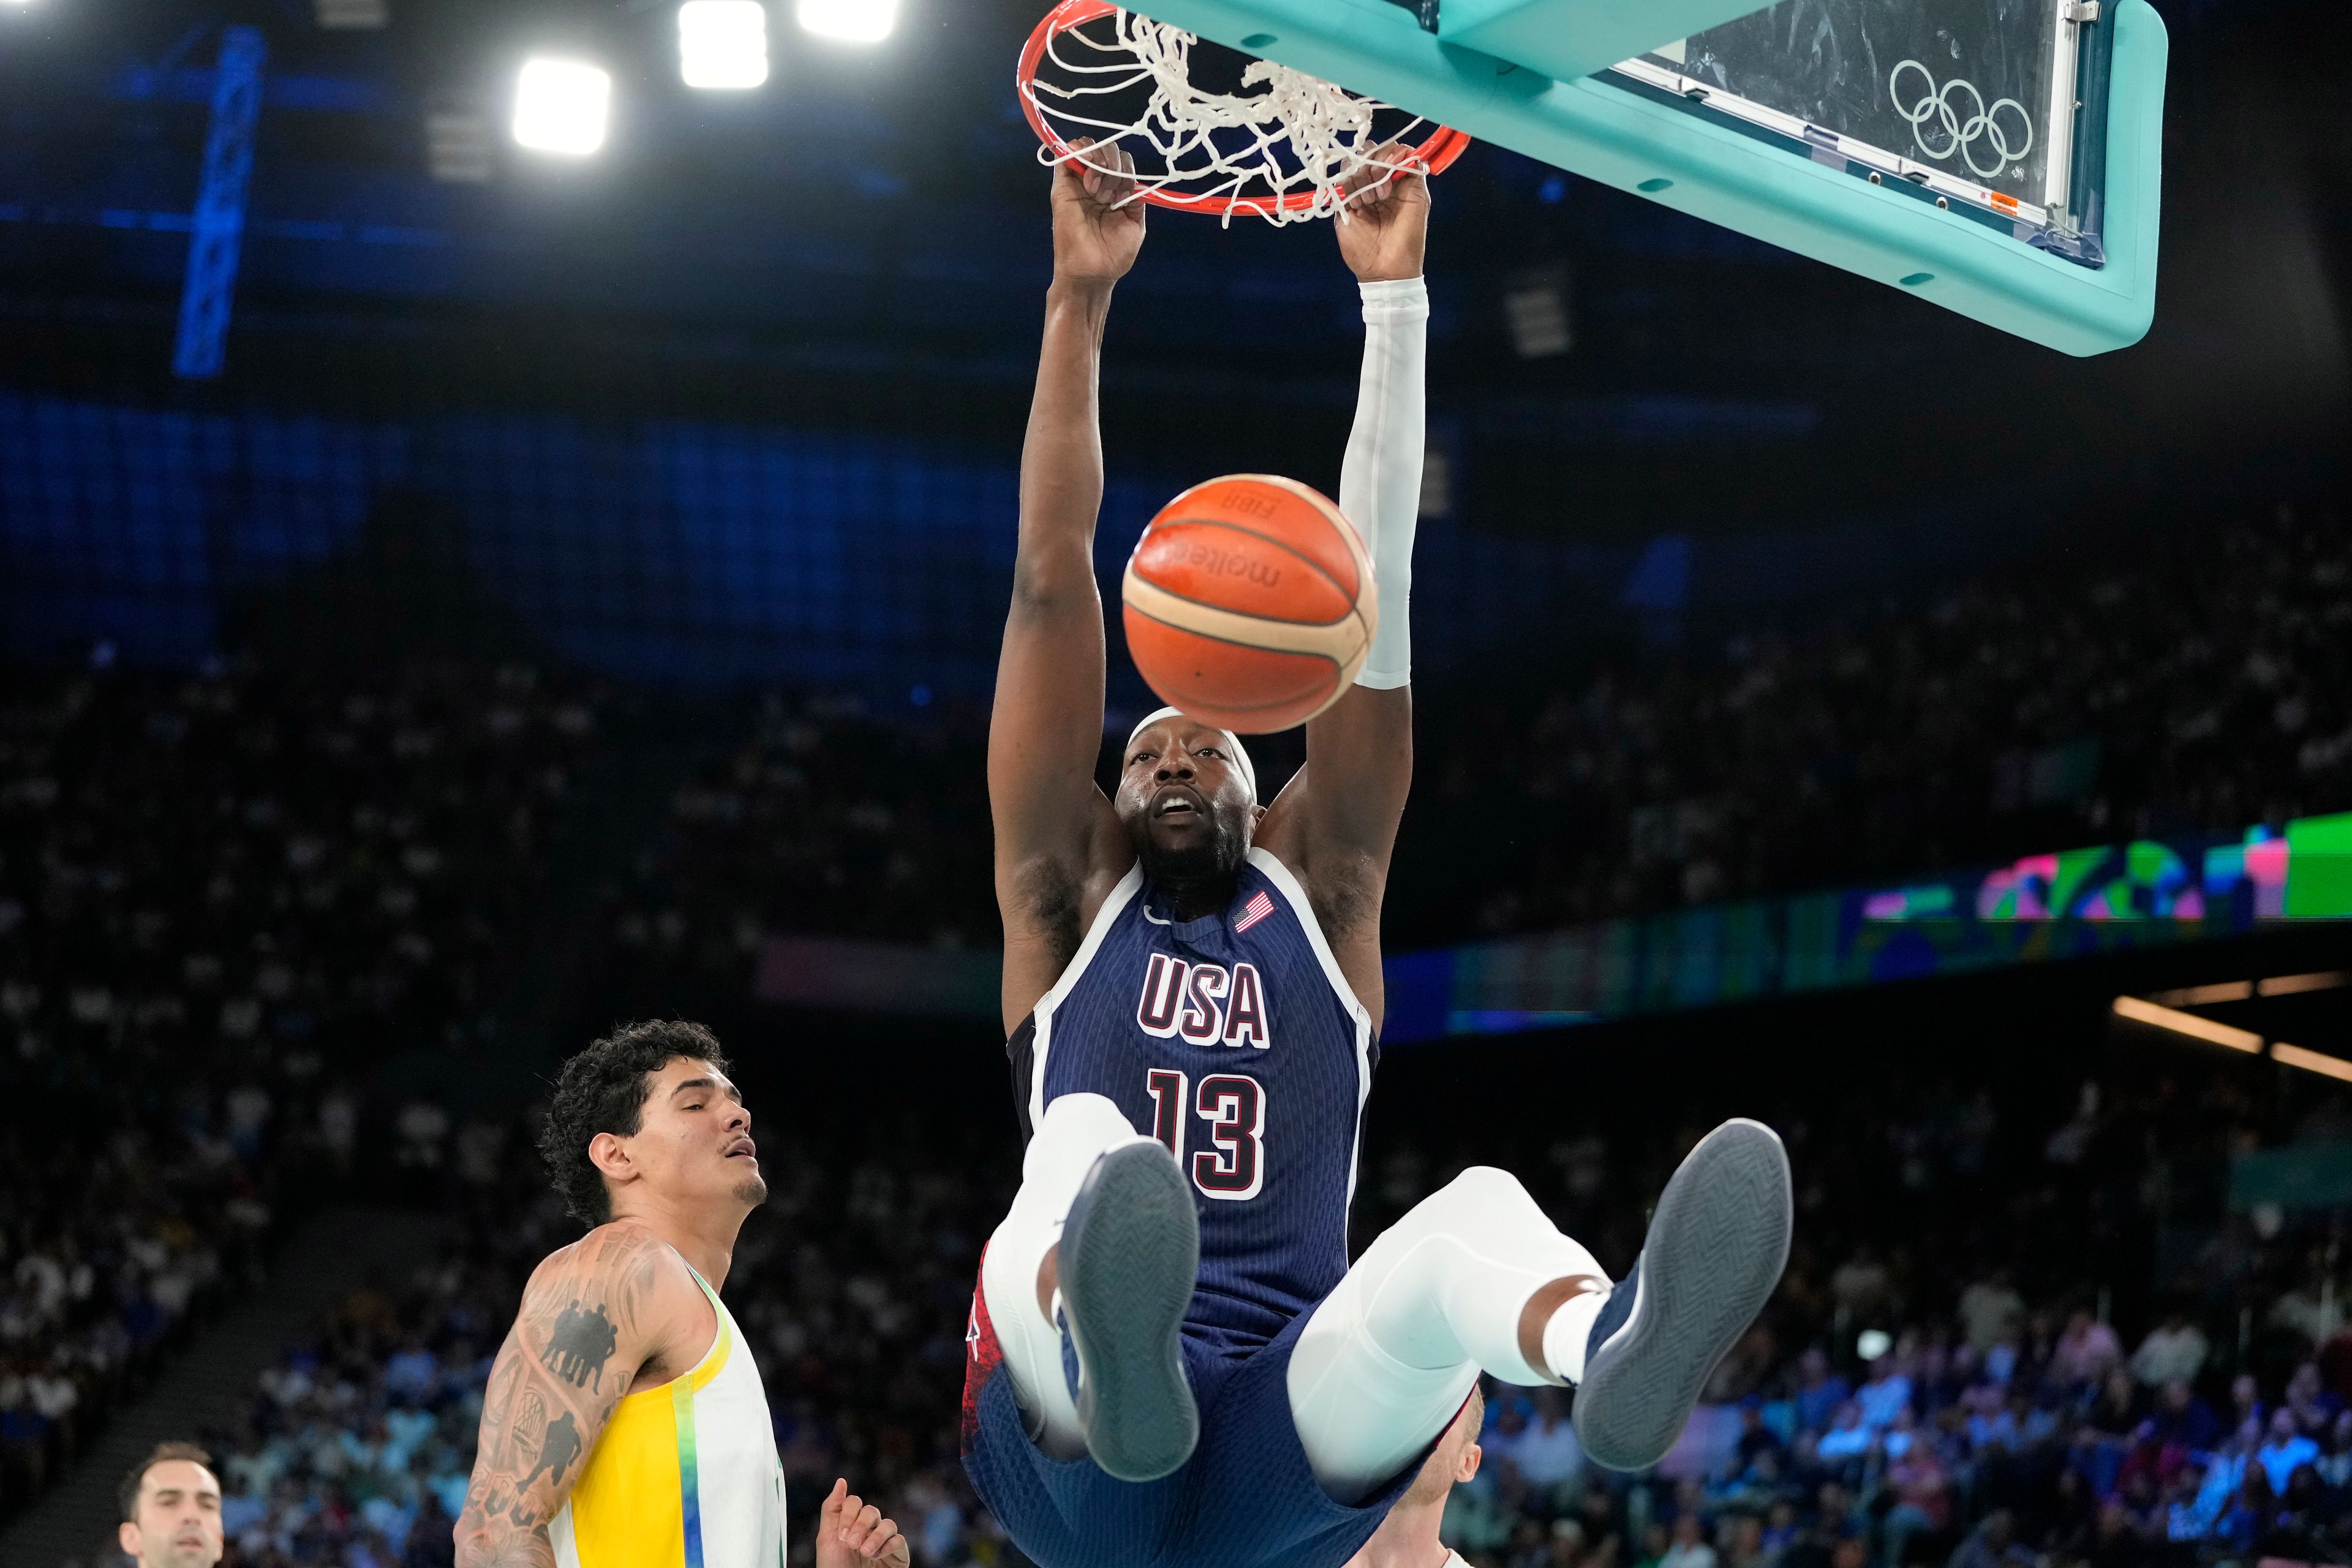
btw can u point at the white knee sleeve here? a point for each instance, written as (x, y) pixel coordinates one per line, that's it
(1388, 1359)
(1478, 1250)
(1361, 1414)
(1075, 1131)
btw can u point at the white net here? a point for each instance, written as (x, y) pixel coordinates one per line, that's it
(1284, 148)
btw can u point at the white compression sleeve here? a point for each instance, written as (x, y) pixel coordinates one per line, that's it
(1389, 1356)
(1379, 481)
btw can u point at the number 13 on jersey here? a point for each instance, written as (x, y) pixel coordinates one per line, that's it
(1234, 1104)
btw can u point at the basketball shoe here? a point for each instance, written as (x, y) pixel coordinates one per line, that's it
(1714, 1251)
(1130, 1250)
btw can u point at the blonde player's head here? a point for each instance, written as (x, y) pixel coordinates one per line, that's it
(1455, 1460)
(1410, 1532)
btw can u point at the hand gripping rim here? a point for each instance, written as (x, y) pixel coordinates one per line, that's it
(1434, 154)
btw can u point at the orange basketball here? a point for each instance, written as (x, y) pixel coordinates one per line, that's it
(1249, 603)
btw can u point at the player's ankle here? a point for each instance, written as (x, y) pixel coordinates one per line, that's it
(1543, 1308)
(1049, 1280)
(1568, 1334)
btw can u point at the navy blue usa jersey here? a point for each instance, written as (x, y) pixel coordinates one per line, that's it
(1234, 1040)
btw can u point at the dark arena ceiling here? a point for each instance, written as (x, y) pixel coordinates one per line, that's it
(862, 241)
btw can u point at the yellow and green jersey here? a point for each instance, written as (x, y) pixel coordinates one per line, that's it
(685, 1476)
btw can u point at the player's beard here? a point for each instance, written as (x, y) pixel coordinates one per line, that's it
(751, 1192)
(1207, 864)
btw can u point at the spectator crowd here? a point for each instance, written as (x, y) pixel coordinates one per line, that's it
(228, 898)
(224, 896)
(2200, 680)
(827, 819)
(2200, 683)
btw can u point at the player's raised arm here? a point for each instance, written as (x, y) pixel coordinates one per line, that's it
(1337, 822)
(1055, 834)
(593, 1317)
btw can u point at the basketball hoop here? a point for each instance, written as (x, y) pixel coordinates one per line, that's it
(1283, 148)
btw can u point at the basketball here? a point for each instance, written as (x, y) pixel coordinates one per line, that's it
(1249, 603)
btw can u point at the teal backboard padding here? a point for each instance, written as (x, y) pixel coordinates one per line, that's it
(1571, 38)
(1775, 193)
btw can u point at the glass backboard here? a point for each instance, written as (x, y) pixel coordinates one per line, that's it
(1976, 99)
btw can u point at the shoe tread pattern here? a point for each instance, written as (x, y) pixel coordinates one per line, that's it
(1714, 1253)
(1129, 1254)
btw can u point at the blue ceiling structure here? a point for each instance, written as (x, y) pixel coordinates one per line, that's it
(860, 245)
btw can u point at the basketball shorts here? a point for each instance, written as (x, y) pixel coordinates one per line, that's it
(1245, 1498)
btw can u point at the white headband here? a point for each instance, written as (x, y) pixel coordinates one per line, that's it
(1241, 752)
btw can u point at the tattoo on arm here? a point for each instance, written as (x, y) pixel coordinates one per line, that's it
(576, 1344)
(557, 1450)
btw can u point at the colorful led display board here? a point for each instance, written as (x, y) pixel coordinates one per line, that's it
(2073, 903)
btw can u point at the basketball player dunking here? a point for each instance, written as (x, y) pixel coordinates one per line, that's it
(624, 1425)
(1173, 1363)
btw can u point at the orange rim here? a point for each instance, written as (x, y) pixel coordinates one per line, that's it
(1436, 154)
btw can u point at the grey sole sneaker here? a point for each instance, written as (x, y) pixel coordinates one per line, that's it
(1131, 1251)
(1714, 1251)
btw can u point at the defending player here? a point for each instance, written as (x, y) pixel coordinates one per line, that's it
(624, 1425)
(1173, 1363)
(1408, 1537)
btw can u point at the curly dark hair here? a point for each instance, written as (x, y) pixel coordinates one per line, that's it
(603, 1090)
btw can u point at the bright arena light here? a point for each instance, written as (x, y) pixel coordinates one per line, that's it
(563, 106)
(722, 45)
(852, 21)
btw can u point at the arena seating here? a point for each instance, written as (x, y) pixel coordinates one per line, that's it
(2002, 1418)
(826, 818)
(2198, 681)
(221, 897)
(357, 1446)
(2204, 684)
(329, 872)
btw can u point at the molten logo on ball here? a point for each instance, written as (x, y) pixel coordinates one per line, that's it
(1249, 603)
(1232, 562)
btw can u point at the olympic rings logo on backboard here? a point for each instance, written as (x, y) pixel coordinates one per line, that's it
(1961, 136)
